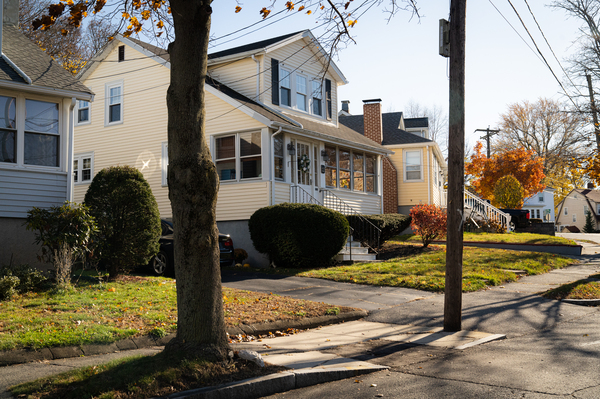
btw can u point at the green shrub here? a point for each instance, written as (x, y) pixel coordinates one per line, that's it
(298, 235)
(429, 222)
(8, 287)
(390, 224)
(121, 201)
(65, 232)
(19, 279)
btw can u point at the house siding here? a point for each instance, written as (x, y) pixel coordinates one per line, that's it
(238, 201)
(20, 190)
(239, 75)
(363, 203)
(411, 193)
(282, 192)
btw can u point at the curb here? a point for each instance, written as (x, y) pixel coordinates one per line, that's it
(572, 250)
(583, 302)
(19, 356)
(274, 383)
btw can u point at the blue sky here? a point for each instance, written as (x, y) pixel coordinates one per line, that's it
(399, 62)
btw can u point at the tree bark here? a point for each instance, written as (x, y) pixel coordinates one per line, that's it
(193, 187)
(456, 168)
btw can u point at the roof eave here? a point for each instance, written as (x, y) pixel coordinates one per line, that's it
(80, 95)
(325, 137)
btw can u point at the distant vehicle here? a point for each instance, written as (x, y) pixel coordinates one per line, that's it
(518, 217)
(163, 261)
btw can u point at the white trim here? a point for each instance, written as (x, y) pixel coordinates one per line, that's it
(421, 166)
(107, 97)
(48, 91)
(164, 163)
(79, 158)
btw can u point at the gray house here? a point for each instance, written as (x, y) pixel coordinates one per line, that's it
(37, 103)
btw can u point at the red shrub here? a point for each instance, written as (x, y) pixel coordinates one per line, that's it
(429, 222)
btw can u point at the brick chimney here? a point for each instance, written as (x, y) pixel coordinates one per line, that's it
(372, 120)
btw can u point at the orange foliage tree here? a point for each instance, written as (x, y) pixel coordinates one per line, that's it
(525, 165)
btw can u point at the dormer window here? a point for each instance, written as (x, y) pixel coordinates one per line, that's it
(286, 92)
(317, 107)
(301, 93)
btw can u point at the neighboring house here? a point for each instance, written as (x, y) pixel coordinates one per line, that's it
(417, 162)
(572, 209)
(541, 205)
(37, 100)
(271, 124)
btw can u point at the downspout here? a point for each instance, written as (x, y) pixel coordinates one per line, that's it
(257, 78)
(70, 150)
(273, 165)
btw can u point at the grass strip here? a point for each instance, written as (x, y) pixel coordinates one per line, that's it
(482, 267)
(508, 238)
(581, 289)
(140, 377)
(93, 312)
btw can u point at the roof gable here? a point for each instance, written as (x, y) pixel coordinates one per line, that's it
(392, 134)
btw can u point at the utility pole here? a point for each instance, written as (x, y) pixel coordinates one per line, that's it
(594, 110)
(456, 168)
(488, 135)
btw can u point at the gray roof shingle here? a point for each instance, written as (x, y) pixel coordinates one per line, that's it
(392, 135)
(35, 63)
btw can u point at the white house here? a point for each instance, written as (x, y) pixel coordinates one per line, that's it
(541, 205)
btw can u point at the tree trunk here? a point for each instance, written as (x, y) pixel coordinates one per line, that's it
(193, 187)
(456, 168)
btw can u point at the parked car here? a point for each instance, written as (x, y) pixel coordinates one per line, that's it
(518, 217)
(163, 262)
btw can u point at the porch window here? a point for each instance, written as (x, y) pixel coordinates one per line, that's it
(42, 137)
(243, 164)
(278, 157)
(8, 129)
(349, 170)
(412, 165)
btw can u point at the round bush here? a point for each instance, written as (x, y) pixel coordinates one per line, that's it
(127, 216)
(298, 235)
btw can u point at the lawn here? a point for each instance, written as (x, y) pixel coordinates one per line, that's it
(482, 267)
(511, 238)
(96, 312)
(581, 289)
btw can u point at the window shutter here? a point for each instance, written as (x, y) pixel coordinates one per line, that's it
(274, 81)
(328, 97)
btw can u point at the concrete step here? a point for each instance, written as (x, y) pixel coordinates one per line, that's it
(355, 250)
(356, 257)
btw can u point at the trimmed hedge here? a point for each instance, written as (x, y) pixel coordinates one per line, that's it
(390, 224)
(298, 235)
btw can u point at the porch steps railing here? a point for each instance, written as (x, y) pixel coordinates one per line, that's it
(353, 250)
(363, 230)
(484, 210)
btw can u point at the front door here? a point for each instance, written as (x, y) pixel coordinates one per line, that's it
(304, 167)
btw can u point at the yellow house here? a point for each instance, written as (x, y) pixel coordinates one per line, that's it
(418, 164)
(271, 124)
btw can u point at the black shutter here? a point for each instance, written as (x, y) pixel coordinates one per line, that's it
(328, 97)
(274, 81)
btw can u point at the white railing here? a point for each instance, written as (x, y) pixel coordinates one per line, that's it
(299, 195)
(485, 210)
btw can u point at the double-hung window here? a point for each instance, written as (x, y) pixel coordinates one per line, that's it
(114, 103)
(82, 168)
(238, 156)
(42, 135)
(412, 165)
(344, 169)
(317, 98)
(358, 173)
(541, 197)
(83, 112)
(301, 93)
(286, 91)
(8, 129)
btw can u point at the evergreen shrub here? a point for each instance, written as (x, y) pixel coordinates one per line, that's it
(121, 201)
(390, 224)
(298, 235)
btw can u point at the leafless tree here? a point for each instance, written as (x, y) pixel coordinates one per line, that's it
(438, 121)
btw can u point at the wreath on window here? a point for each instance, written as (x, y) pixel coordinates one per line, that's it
(304, 163)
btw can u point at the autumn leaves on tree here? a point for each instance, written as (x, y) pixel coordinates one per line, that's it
(525, 166)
